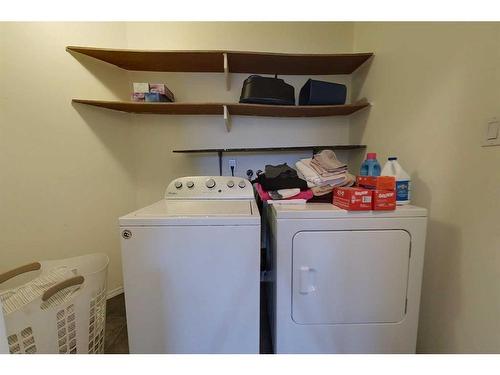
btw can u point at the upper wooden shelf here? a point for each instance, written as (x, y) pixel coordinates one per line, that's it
(237, 61)
(233, 108)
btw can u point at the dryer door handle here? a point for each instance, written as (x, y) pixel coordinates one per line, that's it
(307, 277)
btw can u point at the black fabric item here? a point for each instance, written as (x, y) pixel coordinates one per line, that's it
(280, 176)
(327, 198)
(282, 183)
(283, 170)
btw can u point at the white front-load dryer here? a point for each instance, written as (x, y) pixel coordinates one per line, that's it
(345, 282)
(191, 269)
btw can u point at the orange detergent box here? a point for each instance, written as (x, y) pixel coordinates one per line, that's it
(383, 200)
(377, 183)
(352, 198)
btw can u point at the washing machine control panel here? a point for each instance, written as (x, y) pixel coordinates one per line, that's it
(209, 187)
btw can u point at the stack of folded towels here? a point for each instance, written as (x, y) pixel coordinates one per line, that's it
(324, 172)
(280, 183)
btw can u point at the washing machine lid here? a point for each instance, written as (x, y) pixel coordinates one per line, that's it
(329, 211)
(195, 212)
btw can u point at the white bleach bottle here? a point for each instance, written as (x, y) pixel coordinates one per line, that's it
(392, 168)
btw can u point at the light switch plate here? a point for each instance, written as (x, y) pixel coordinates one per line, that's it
(492, 133)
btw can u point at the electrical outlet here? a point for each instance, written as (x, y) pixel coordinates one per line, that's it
(232, 163)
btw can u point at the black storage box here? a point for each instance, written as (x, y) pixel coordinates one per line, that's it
(267, 90)
(322, 93)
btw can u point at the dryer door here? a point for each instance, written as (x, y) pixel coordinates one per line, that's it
(342, 277)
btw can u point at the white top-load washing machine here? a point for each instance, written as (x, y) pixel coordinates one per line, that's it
(345, 282)
(191, 268)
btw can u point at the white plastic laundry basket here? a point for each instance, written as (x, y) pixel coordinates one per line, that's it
(61, 310)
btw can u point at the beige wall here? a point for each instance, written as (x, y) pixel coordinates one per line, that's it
(434, 87)
(65, 172)
(157, 136)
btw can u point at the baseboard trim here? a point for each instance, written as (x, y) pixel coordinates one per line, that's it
(114, 292)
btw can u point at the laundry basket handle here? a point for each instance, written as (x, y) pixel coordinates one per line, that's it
(77, 280)
(19, 270)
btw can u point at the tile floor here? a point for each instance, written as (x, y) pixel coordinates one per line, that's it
(116, 340)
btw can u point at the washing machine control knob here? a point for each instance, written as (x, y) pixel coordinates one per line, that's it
(178, 184)
(230, 183)
(242, 184)
(210, 183)
(190, 184)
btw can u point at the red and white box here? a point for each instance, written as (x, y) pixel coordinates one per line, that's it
(378, 182)
(383, 200)
(352, 198)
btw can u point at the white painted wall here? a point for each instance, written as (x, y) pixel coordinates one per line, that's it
(156, 136)
(434, 86)
(65, 171)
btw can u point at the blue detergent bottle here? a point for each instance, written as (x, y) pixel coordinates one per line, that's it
(370, 166)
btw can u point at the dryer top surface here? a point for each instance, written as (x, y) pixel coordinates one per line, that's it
(329, 211)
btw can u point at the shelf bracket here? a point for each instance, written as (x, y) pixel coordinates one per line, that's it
(227, 118)
(226, 73)
(219, 154)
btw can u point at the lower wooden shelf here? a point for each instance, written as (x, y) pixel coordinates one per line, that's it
(314, 150)
(274, 149)
(240, 109)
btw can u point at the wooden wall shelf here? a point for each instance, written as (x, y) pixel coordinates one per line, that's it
(157, 108)
(230, 62)
(234, 61)
(273, 149)
(233, 108)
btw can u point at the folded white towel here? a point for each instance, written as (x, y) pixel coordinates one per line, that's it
(310, 175)
(309, 183)
(306, 171)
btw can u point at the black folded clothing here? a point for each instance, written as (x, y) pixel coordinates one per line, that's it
(280, 176)
(283, 170)
(327, 198)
